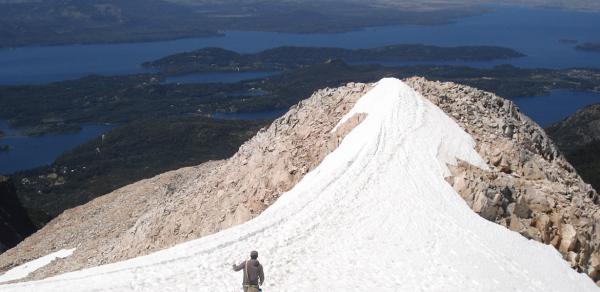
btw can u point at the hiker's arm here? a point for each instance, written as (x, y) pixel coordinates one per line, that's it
(238, 267)
(261, 274)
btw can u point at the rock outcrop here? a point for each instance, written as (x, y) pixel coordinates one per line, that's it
(14, 222)
(529, 188)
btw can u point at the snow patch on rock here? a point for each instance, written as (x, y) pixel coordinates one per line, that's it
(25, 269)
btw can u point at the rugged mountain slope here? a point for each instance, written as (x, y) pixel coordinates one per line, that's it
(192, 202)
(530, 187)
(14, 223)
(578, 136)
(527, 186)
(127, 154)
(379, 201)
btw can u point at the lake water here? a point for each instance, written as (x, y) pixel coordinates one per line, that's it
(557, 105)
(535, 32)
(29, 152)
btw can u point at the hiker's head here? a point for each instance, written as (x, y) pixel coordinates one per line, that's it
(253, 254)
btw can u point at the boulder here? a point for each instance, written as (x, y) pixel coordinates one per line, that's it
(568, 239)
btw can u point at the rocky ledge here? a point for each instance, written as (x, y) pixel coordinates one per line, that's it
(530, 187)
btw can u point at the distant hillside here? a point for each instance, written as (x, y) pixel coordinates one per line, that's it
(52, 22)
(578, 136)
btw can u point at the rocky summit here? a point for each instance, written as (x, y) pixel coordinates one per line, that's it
(527, 186)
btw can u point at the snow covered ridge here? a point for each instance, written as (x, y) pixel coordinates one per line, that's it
(530, 188)
(376, 214)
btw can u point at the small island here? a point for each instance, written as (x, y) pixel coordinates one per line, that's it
(292, 58)
(568, 41)
(2, 134)
(590, 47)
(4, 148)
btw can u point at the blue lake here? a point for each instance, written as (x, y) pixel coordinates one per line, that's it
(29, 152)
(535, 32)
(557, 105)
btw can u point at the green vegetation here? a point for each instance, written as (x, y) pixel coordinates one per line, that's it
(578, 137)
(4, 148)
(592, 47)
(127, 154)
(291, 58)
(63, 106)
(586, 159)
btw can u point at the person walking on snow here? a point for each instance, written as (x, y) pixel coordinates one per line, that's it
(253, 273)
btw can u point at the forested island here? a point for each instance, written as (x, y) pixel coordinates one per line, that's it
(568, 41)
(591, 47)
(290, 58)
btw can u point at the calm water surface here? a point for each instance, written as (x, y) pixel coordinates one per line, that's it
(29, 152)
(535, 32)
(557, 105)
